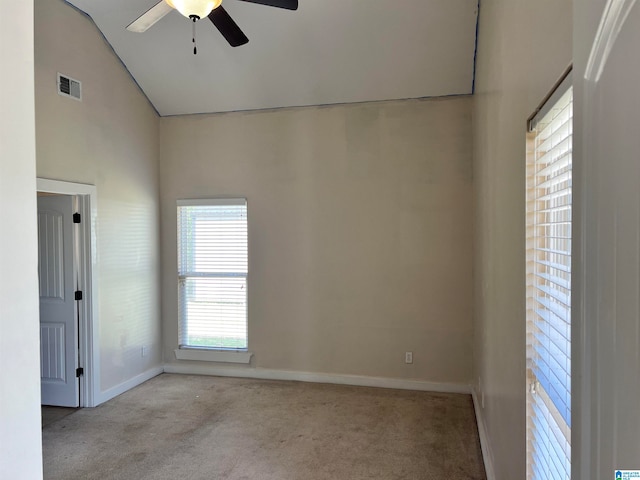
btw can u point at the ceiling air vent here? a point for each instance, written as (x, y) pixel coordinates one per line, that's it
(68, 87)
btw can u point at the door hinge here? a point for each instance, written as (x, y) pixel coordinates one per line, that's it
(79, 295)
(79, 372)
(76, 218)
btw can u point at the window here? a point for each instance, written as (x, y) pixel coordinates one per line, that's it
(212, 273)
(549, 170)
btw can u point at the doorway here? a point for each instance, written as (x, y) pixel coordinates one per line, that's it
(67, 270)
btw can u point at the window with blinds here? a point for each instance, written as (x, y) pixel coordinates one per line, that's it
(212, 273)
(549, 170)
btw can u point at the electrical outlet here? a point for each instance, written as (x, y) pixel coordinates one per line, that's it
(408, 357)
(144, 350)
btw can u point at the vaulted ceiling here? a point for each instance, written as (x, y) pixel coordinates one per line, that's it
(326, 52)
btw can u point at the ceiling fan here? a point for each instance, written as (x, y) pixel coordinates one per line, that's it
(199, 9)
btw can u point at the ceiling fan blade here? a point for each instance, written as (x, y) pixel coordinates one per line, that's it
(288, 4)
(228, 28)
(149, 18)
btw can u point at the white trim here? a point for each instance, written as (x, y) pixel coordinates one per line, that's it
(65, 188)
(336, 379)
(128, 385)
(233, 201)
(87, 277)
(204, 355)
(487, 454)
(584, 325)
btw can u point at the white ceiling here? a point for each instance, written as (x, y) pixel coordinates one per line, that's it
(326, 52)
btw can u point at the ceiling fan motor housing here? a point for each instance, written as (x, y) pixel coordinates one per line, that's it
(194, 8)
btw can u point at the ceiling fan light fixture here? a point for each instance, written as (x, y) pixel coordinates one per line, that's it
(197, 8)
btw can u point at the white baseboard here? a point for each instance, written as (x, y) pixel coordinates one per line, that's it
(487, 455)
(213, 355)
(128, 385)
(337, 379)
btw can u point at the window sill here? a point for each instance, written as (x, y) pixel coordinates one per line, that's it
(213, 355)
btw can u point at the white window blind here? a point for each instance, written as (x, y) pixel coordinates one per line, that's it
(549, 170)
(212, 273)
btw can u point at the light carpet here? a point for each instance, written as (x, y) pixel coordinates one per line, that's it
(197, 427)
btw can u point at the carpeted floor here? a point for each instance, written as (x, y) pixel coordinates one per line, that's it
(53, 414)
(195, 427)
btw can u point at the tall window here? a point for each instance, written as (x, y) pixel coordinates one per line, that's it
(549, 288)
(212, 273)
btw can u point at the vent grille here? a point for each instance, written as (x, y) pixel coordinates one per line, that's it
(69, 87)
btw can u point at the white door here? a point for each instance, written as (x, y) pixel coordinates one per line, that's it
(58, 313)
(611, 155)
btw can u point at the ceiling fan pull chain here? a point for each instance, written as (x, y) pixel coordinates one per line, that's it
(194, 18)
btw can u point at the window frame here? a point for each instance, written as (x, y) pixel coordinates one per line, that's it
(539, 401)
(205, 352)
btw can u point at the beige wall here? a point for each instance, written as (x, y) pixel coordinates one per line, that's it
(523, 49)
(20, 427)
(110, 140)
(360, 226)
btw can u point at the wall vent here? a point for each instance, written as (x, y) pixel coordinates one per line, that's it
(69, 87)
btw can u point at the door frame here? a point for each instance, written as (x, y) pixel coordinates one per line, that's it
(85, 203)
